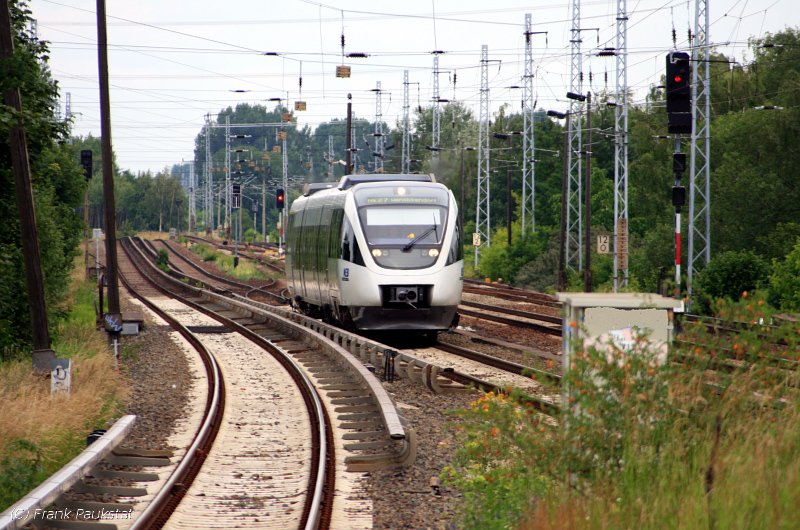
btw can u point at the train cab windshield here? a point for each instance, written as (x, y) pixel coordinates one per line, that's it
(404, 225)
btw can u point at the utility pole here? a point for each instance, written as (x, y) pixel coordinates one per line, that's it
(263, 209)
(562, 247)
(406, 155)
(42, 356)
(348, 167)
(587, 198)
(108, 169)
(461, 191)
(283, 214)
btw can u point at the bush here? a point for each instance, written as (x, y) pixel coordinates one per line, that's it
(729, 275)
(784, 284)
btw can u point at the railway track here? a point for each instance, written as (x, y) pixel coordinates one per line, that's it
(256, 462)
(510, 293)
(244, 252)
(514, 318)
(497, 381)
(190, 269)
(366, 433)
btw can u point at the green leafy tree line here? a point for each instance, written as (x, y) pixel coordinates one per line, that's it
(57, 183)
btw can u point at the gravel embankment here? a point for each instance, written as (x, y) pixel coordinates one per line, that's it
(403, 498)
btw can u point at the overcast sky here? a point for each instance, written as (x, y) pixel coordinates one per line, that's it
(173, 62)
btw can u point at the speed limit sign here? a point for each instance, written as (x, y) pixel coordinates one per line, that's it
(602, 244)
(476, 239)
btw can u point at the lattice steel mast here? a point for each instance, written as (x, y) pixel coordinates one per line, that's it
(331, 159)
(528, 143)
(192, 198)
(406, 155)
(436, 118)
(227, 176)
(621, 151)
(378, 154)
(574, 225)
(209, 197)
(482, 210)
(700, 170)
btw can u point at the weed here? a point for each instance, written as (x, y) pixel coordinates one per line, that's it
(642, 444)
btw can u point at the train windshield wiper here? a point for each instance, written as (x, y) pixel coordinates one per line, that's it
(414, 241)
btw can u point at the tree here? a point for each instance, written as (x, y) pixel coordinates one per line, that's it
(57, 182)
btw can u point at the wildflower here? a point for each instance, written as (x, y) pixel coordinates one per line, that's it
(494, 432)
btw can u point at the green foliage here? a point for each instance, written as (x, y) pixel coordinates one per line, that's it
(205, 252)
(540, 273)
(641, 444)
(784, 283)
(729, 275)
(502, 261)
(162, 260)
(56, 181)
(20, 471)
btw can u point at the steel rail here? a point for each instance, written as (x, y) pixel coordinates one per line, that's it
(315, 512)
(167, 499)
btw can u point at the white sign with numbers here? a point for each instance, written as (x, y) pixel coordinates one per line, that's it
(476, 239)
(602, 244)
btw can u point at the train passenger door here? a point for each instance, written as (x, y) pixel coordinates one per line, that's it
(321, 251)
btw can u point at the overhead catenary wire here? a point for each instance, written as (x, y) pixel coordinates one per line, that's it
(466, 90)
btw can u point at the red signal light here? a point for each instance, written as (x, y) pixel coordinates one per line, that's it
(678, 79)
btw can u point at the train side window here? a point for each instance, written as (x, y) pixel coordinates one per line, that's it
(358, 259)
(335, 232)
(347, 237)
(456, 252)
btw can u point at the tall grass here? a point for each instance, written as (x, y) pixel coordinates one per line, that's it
(39, 433)
(646, 446)
(245, 270)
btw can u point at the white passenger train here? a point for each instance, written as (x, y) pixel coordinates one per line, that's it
(377, 252)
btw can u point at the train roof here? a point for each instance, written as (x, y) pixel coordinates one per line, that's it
(314, 187)
(348, 181)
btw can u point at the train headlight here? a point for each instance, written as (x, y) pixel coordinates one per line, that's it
(400, 191)
(434, 252)
(376, 252)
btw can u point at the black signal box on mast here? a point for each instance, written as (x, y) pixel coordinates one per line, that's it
(279, 199)
(86, 162)
(679, 93)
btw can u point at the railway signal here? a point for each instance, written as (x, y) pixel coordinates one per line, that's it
(679, 93)
(236, 196)
(279, 199)
(86, 162)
